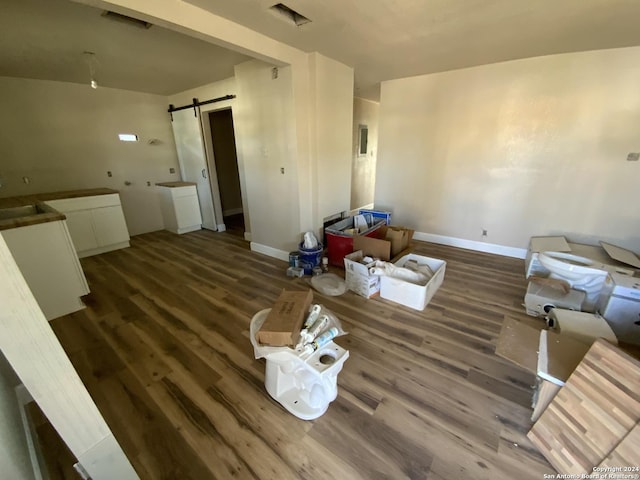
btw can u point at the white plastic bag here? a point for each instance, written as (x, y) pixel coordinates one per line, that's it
(418, 275)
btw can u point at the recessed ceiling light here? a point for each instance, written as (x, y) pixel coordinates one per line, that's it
(289, 14)
(118, 17)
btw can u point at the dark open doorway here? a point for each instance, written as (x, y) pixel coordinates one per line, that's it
(226, 162)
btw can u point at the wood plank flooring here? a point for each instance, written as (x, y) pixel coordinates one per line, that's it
(163, 348)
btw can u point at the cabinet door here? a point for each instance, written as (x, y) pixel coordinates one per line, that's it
(80, 225)
(109, 226)
(187, 211)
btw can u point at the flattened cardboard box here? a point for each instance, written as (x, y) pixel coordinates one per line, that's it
(394, 241)
(283, 324)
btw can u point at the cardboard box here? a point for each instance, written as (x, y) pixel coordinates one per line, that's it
(283, 324)
(392, 242)
(399, 238)
(409, 294)
(357, 275)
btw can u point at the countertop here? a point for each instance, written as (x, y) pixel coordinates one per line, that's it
(46, 213)
(176, 184)
(32, 199)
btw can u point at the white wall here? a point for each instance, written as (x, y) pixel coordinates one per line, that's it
(363, 172)
(265, 137)
(520, 148)
(332, 117)
(268, 137)
(210, 91)
(14, 454)
(64, 136)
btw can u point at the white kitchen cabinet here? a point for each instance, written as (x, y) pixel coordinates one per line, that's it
(180, 207)
(96, 223)
(109, 226)
(81, 224)
(49, 264)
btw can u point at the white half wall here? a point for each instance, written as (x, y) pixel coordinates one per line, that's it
(331, 120)
(64, 136)
(521, 148)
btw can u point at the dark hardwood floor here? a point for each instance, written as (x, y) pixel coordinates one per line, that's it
(235, 224)
(163, 349)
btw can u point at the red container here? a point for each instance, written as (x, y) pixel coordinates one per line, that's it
(340, 243)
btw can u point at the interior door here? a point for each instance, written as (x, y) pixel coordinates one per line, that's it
(193, 162)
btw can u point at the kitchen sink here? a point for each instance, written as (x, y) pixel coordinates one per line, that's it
(23, 211)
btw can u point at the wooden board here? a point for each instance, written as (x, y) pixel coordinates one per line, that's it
(592, 413)
(546, 392)
(626, 453)
(518, 342)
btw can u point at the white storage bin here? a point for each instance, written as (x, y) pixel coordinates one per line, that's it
(409, 294)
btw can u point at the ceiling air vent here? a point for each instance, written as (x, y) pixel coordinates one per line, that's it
(118, 17)
(289, 15)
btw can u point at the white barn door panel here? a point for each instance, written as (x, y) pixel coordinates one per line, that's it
(187, 132)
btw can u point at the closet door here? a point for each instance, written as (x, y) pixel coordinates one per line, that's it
(193, 162)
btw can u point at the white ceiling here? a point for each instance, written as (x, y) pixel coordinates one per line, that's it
(382, 40)
(45, 39)
(386, 39)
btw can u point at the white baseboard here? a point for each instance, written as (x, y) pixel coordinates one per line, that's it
(231, 211)
(270, 251)
(247, 236)
(472, 245)
(191, 228)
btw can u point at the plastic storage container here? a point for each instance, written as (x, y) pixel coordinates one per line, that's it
(376, 214)
(409, 294)
(340, 242)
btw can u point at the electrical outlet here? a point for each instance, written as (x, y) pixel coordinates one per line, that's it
(633, 157)
(172, 170)
(484, 232)
(282, 170)
(109, 174)
(148, 184)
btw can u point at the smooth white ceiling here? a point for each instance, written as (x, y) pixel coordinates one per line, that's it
(45, 39)
(382, 40)
(386, 39)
